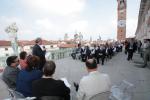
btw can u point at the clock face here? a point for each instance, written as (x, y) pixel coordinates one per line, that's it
(121, 23)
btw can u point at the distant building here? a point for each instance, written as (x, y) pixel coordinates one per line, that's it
(6, 49)
(143, 27)
(67, 46)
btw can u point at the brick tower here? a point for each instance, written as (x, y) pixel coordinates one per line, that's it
(121, 24)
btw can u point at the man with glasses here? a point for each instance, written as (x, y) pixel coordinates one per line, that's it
(11, 71)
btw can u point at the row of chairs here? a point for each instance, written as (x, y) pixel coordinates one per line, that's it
(122, 91)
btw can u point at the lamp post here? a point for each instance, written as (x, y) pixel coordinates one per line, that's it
(12, 33)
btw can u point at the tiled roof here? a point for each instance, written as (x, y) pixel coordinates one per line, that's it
(5, 43)
(66, 45)
(22, 42)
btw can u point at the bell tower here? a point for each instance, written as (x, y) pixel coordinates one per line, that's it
(121, 24)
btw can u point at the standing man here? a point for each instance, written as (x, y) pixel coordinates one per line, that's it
(146, 48)
(79, 52)
(93, 52)
(101, 53)
(94, 83)
(130, 49)
(39, 51)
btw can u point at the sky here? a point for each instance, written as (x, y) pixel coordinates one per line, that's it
(52, 19)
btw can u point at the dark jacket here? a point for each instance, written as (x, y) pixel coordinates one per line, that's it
(50, 87)
(37, 51)
(25, 79)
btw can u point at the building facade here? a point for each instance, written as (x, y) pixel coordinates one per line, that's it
(121, 24)
(6, 49)
(143, 27)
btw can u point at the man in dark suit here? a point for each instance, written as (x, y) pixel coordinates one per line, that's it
(93, 52)
(130, 49)
(40, 51)
(101, 53)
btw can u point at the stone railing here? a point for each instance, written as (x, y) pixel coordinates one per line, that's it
(58, 54)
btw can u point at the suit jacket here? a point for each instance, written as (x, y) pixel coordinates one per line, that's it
(100, 52)
(9, 76)
(37, 51)
(92, 84)
(50, 87)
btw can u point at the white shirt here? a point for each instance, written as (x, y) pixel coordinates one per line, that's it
(41, 46)
(92, 84)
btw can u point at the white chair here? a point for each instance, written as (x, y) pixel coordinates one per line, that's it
(101, 96)
(3, 90)
(18, 96)
(13, 95)
(123, 91)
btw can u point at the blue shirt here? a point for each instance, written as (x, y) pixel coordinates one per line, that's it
(25, 79)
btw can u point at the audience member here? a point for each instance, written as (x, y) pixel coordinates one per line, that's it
(95, 82)
(48, 86)
(27, 75)
(39, 51)
(11, 71)
(22, 61)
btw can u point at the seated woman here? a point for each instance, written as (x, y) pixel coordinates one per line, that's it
(27, 75)
(23, 61)
(47, 86)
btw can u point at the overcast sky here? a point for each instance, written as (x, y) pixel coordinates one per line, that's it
(51, 19)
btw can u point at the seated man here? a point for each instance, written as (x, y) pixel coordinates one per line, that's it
(11, 71)
(23, 60)
(48, 86)
(93, 83)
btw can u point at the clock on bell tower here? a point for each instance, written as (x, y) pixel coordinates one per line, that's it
(121, 24)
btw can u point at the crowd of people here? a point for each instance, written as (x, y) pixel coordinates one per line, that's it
(32, 74)
(132, 46)
(98, 52)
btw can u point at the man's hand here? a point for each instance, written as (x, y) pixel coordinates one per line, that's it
(76, 85)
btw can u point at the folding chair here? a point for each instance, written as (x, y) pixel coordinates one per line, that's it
(3, 90)
(14, 95)
(101, 96)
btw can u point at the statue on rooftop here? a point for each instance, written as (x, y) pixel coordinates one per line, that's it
(12, 33)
